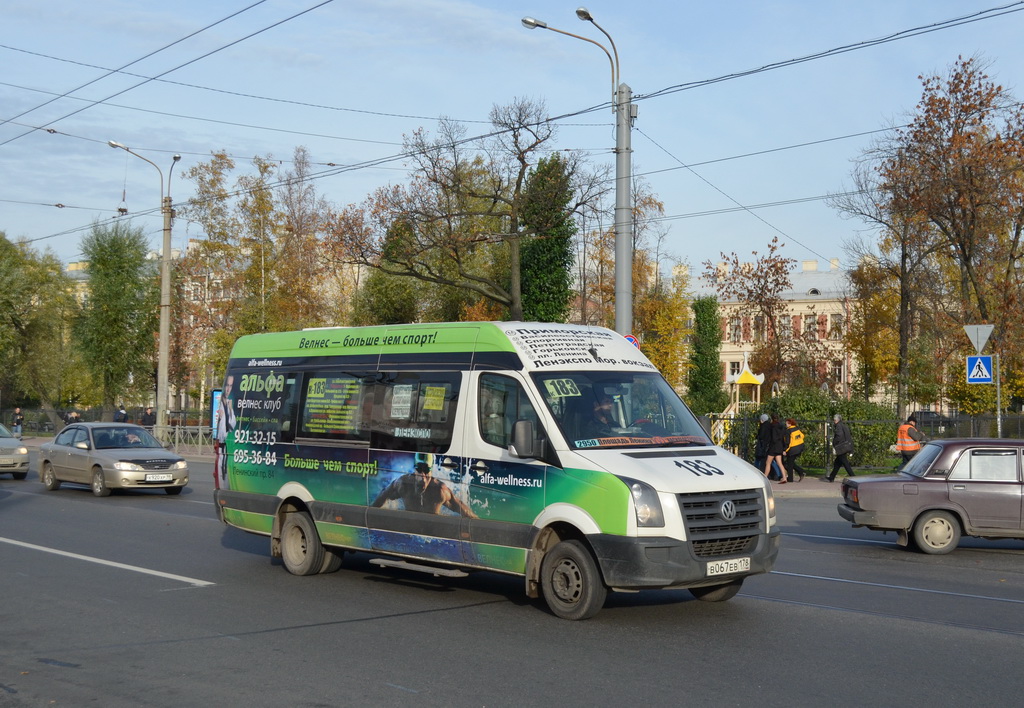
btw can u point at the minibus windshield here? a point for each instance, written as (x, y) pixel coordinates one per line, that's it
(599, 409)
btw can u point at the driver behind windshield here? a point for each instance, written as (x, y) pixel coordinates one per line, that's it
(601, 421)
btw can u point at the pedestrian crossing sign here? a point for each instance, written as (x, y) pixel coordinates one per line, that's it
(979, 369)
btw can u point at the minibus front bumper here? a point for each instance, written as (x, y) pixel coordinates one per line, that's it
(662, 562)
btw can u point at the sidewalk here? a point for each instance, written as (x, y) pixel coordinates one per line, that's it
(811, 487)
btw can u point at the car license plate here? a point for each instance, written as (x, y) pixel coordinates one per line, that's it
(724, 567)
(158, 477)
(6, 460)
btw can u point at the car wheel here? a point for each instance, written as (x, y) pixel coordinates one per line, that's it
(173, 491)
(49, 478)
(571, 582)
(936, 532)
(717, 593)
(99, 483)
(301, 550)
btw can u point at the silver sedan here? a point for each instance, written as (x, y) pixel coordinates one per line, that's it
(13, 455)
(110, 456)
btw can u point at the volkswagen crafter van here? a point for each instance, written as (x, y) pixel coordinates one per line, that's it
(552, 452)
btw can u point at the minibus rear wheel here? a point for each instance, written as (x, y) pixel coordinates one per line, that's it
(332, 561)
(571, 582)
(301, 550)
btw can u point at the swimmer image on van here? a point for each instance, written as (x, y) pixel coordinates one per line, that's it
(555, 453)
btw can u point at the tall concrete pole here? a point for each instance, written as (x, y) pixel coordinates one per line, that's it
(623, 212)
(164, 346)
(164, 343)
(622, 106)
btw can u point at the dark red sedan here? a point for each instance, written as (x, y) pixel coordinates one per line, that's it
(951, 488)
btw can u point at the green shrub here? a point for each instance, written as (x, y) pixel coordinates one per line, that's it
(873, 428)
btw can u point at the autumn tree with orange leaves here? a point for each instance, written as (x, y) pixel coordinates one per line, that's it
(946, 192)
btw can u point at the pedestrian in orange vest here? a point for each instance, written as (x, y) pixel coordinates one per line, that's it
(908, 440)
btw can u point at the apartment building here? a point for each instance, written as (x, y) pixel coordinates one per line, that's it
(816, 312)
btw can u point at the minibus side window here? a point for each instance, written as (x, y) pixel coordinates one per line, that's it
(416, 411)
(502, 402)
(333, 405)
(290, 405)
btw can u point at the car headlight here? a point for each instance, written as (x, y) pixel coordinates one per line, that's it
(179, 465)
(127, 466)
(646, 503)
(21, 451)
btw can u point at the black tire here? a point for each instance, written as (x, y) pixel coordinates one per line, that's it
(936, 532)
(717, 593)
(301, 550)
(173, 491)
(19, 475)
(99, 483)
(49, 478)
(332, 560)
(571, 582)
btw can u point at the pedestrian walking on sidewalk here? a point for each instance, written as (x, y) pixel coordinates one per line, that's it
(794, 450)
(842, 446)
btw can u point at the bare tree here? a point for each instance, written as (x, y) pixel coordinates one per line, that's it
(458, 207)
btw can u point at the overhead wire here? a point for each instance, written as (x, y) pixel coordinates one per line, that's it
(728, 196)
(173, 69)
(303, 104)
(895, 36)
(974, 17)
(110, 72)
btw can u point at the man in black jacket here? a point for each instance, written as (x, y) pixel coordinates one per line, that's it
(842, 445)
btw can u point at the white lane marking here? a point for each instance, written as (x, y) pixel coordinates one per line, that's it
(897, 587)
(170, 576)
(841, 538)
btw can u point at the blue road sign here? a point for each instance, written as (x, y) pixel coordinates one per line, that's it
(979, 369)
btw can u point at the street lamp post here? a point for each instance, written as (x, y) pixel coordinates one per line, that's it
(164, 347)
(622, 106)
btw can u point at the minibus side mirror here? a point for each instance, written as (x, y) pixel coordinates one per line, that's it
(524, 440)
(705, 422)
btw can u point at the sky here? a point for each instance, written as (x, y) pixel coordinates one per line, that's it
(736, 162)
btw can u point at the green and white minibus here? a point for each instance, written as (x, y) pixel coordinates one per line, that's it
(553, 452)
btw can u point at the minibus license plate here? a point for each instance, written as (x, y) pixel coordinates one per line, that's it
(724, 567)
(158, 477)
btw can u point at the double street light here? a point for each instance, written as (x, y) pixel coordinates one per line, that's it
(625, 112)
(164, 350)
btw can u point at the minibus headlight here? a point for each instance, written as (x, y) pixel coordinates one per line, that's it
(646, 503)
(771, 500)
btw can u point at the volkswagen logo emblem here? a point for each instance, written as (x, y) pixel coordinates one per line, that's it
(728, 510)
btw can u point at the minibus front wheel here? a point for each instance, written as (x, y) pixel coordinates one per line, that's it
(571, 582)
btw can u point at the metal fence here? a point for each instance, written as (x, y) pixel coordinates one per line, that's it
(873, 439)
(186, 439)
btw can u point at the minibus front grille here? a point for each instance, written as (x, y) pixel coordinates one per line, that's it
(724, 547)
(712, 531)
